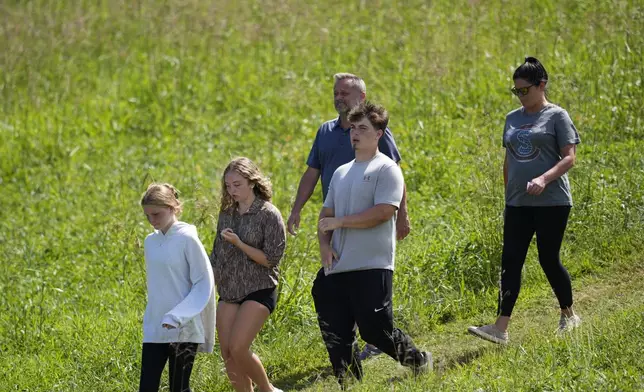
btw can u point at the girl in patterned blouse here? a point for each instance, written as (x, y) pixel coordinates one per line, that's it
(248, 247)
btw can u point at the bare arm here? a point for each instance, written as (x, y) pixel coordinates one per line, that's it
(304, 192)
(403, 202)
(568, 154)
(324, 238)
(390, 187)
(370, 218)
(364, 220)
(403, 226)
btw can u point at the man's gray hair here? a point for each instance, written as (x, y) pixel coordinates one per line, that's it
(354, 81)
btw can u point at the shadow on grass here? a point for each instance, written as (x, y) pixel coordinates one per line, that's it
(464, 358)
(442, 365)
(303, 379)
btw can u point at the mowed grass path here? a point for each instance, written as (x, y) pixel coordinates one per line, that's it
(97, 99)
(601, 355)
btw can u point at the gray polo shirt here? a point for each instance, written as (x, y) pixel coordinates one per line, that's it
(533, 143)
(355, 187)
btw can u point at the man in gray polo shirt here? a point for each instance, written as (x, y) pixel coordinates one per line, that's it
(357, 233)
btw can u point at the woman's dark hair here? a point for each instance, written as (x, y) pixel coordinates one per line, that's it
(531, 70)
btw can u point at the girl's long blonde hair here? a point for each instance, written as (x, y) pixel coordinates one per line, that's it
(249, 170)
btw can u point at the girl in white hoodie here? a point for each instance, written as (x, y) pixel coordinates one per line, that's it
(179, 318)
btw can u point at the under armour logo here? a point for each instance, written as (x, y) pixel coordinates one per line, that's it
(366, 178)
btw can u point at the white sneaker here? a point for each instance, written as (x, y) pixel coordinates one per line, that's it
(490, 333)
(568, 323)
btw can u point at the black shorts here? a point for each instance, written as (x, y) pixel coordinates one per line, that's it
(266, 297)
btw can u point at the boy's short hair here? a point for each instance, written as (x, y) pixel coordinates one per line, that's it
(376, 114)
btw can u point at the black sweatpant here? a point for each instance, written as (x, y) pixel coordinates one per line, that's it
(154, 357)
(521, 223)
(345, 299)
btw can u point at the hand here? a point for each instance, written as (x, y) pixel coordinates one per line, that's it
(228, 235)
(293, 222)
(403, 227)
(328, 254)
(329, 224)
(168, 326)
(536, 186)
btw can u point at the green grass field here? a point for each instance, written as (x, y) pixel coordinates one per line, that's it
(99, 98)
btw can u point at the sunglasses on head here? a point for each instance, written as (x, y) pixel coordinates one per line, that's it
(522, 91)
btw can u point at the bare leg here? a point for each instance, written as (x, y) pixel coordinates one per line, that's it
(567, 312)
(502, 323)
(226, 315)
(250, 320)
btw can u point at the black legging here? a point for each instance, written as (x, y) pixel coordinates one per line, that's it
(154, 357)
(520, 225)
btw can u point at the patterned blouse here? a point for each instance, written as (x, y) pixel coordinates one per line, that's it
(237, 275)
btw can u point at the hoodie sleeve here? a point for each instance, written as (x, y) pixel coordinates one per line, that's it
(202, 281)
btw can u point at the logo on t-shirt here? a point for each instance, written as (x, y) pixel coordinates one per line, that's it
(520, 145)
(366, 178)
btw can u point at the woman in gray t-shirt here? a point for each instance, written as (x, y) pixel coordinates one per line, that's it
(540, 142)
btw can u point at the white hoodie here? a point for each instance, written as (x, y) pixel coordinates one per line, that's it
(180, 288)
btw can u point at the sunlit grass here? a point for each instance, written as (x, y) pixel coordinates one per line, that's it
(97, 99)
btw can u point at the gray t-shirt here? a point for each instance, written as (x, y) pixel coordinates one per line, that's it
(533, 143)
(355, 187)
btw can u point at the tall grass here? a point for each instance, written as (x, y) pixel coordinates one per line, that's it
(100, 98)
